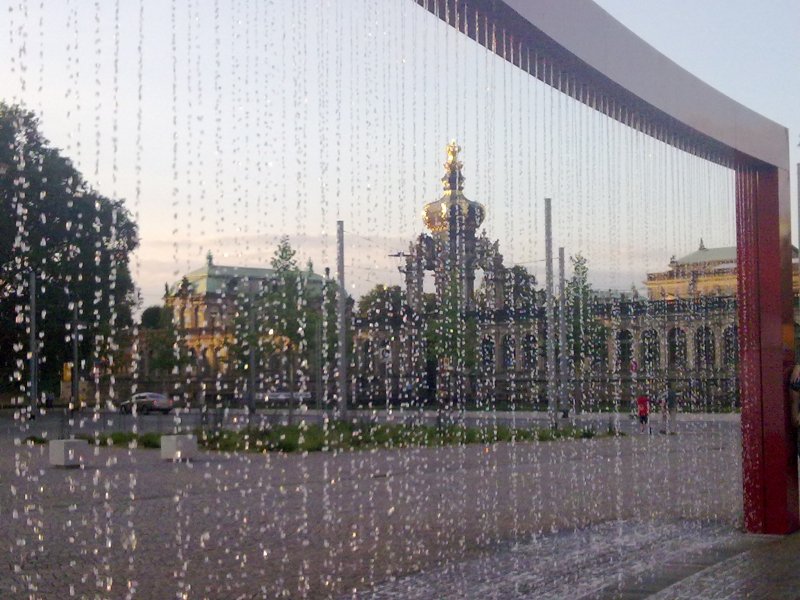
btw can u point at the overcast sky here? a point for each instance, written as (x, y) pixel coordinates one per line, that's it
(748, 50)
(264, 118)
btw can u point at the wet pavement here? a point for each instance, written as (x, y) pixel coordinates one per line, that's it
(625, 517)
(624, 559)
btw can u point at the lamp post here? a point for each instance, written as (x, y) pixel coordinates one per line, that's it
(75, 387)
(33, 346)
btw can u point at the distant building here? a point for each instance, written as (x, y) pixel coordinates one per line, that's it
(704, 272)
(425, 353)
(205, 305)
(686, 331)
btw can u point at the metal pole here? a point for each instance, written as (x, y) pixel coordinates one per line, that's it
(251, 357)
(562, 334)
(342, 306)
(75, 370)
(318, 335)
(551, 317)
(33, 344)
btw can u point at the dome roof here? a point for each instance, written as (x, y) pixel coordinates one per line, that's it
(435, 215)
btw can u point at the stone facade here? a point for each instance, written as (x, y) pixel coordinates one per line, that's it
(204, 306)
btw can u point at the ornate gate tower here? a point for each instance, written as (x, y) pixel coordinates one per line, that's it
(453, 221)
(452, 251)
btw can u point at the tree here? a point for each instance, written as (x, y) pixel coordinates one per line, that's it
(283, 261)
(78, 243)
(523, 292)
(382, 303)
(162, 342)
(279, 318)
(585, 333)
(151, 317)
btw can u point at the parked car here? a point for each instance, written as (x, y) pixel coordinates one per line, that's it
(286, 397)
(147, 402)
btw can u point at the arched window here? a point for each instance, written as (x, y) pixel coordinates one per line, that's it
(730, 342)
(529, 351)
(704, 348)
(651, 353)
(624, 349)
(676, 342)
(508, 352)
(597, 351)
(487, 352)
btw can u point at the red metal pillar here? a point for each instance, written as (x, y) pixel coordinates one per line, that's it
(766, 344)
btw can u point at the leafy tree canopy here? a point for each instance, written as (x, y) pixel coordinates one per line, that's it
(585, 333)
(76, 240)
(151, 317)
(382, 301)
(283, 261)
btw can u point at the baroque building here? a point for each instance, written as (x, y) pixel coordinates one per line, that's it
(209, 313)
(683, 334)
(704, 272)
(460, 342)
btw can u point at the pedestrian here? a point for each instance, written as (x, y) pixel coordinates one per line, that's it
(643, 408)
(672, 409)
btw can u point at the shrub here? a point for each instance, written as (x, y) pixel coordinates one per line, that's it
(545, 435)
(288, 440)
(121, 438)
(35, 439)
(313, 439)
(150, 440)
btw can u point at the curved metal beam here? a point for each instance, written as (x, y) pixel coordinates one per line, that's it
(578, 47)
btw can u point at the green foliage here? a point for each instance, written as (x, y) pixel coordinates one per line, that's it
(167, 351)
(151, 317)
(585, 334)
(76, 240)
(381, 302)
(340, 436)
(285, 317)
(121, 438)
(523, 292)
(283, 261)
(150, 440)
(35, 440)
(270, 317)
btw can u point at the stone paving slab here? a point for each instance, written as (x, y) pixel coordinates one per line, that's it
(326, 524)
(628, 560)
(768, 571)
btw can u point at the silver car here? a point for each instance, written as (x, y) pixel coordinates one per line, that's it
(147, 402)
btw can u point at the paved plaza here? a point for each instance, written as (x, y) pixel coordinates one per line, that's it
(611, 515)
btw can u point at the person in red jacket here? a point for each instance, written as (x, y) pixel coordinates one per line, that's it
(643, 405)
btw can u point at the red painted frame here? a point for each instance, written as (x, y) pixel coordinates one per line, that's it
(577, 47)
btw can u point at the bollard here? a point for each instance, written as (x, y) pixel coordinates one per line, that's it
(178, 447)
(66, 453)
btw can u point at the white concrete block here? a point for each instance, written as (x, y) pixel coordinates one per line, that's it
(178, 447)
(66, 453)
